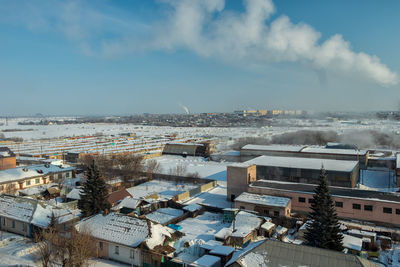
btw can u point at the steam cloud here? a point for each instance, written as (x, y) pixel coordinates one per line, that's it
(206, 28)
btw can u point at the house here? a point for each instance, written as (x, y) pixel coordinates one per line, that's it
(117, 196)
(34, 175)
(245, 229)
(26, 216)
(267, 229)
(265, 205)
(129, 239)
(194, 209)
(129, 205)
(206, 261)
(165, 216)
(274, 253)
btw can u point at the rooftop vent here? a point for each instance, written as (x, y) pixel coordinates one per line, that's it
(25, 169)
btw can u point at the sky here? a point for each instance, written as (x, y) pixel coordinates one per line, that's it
(142, 56)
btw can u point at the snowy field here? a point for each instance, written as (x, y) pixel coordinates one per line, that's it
(284, 125)
(201, 166)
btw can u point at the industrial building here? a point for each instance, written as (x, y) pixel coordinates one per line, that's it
(7, 158)
(365, 205)
(300, 151)
(202, 149)
(291, 169)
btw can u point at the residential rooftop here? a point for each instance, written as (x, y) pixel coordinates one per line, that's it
(263, 200)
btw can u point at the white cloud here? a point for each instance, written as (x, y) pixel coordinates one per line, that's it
(208, 29)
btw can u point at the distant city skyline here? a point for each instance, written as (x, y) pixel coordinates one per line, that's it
(133, 57)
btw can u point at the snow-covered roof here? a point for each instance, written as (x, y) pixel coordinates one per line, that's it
(75, 194)
(223, 233)
(128, 202)
(323, 150)
(304, 163)
(288, 148)
(245, 223)
(361, 233)
(267, 226)
(263, 200)
(31, 171)
(32, 211)
(125, 230)
(206, 261)
(280, 230)
(241, 252)
(352, 242)
(164, 215)
(222, 250)
(192, 207)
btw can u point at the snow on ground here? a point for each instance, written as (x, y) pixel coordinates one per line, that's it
(391, 258)
(205, 169)
(202, 227)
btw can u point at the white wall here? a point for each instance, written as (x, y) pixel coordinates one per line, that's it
(124, 254)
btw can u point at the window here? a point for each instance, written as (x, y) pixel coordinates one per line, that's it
(67, 175)
(116, 250)
(1, 187)
(13, 224)
(232, 197)
(387, 210)
(101, 245)
(28, 182)
(24, 227)
(397, 211)
(266, 212)
(4, 221)
(310, 200)
(276, 213)
(368, 207)
(132, 255)
(241, 207)
(37, 180)
(302, 199)
(51, 177)
(60, 176)
(339, 204)
(356, 206)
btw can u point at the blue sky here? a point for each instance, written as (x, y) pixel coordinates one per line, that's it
(127, 57)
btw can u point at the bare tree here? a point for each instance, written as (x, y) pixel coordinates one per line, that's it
(193, 175)
(131, 166)
(10, 189)
(46, 246)
(152, 167)
(179, 170)
(78, 248)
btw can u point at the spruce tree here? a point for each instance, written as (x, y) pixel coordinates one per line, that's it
(94, 193)
(324, 229)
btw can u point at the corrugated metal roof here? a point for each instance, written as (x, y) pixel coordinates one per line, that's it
(276, 253)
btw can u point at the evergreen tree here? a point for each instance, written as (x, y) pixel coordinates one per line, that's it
(94, 193)
(324, 230)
